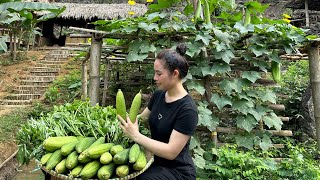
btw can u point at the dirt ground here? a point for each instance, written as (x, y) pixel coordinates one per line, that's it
(9, 77)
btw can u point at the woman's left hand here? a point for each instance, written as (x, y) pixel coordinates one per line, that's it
(129, 128)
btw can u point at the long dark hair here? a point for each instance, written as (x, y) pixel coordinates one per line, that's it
(175, 59)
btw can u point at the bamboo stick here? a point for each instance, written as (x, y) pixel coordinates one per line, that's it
(94, 71)
(314, 68)
(277, 107)
(105, 84)
(235, 130)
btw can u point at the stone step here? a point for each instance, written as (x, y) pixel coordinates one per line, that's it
(30, 88)
(15, 102)
(59, 52)
(44, 69)
(23, 96)
(44, 73)
(35, 83)
(14, 106)
(31, 91)
(52, 62)
(40, 78)
(56, 60)
(48, 65)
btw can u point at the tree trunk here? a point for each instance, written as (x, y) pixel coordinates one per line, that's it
(11, 43)
(314, 68)
(94, 79)
(14, 54)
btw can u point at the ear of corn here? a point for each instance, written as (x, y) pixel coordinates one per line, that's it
(141, 162)
(76, 171)
(68, 148)
(121, 104)
(135, 107)
(121, 157)
(61, 167)
(122, 170)
(115, 149)
(90, 170)
(44, 159)
(72, 160)
(98, 150)
(106, 158)
(83, 158)
(84, 144)
(54, 159)
(134, 153)
(106, 171)
(52, 144)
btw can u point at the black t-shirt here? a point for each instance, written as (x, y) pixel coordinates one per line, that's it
(180, 115)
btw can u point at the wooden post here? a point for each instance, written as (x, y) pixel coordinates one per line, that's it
(306, 7)
(314, 68)
(106, 81)
(94, 72)
(84, 74)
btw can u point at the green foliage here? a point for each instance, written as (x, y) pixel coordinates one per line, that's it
(52, 94)
(230, 162)
(223, 39)
(295, 82)
(10, 123)
(64, 88)
(71, 119)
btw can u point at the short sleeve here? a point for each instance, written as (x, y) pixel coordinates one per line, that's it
(187, 121)
(152, 99)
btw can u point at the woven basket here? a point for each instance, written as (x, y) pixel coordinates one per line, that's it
(55, 176)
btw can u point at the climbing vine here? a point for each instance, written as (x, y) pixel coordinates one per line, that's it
(217, 47)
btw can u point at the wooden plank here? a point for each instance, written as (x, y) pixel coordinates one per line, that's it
(235, 130)
(276, 146)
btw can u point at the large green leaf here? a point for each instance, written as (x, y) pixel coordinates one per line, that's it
(148, 27)
(222, 36)
(220, 67)
(220, 102)
(246, 122)
(265, 143)
(35, 6)
(246, 141)
(204, 37)
(272, 120)
(3, 45)
(199, 161)
(206, 118)
(267, 96)
(196, 86)
(242, 105)
(194, 48)
(257, 112)
(134, 56)
(231, 85)
(225, 55)
(251, 75)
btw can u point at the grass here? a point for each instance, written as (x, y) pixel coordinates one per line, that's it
(10, 123)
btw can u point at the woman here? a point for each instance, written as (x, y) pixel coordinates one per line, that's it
(172, 117)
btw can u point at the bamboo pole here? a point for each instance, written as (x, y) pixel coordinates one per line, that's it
(94, 71)
(314, 68)
(235, 130)
(306, 6)
(84, 75)
(105, 86)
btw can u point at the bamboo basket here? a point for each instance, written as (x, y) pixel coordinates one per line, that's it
(55, 176)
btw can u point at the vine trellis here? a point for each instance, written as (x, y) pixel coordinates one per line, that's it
(230, 65)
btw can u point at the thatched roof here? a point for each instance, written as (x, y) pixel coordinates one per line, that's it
(100, 11)
(299, 4)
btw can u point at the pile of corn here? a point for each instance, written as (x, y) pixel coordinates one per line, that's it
(87, 157)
